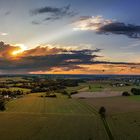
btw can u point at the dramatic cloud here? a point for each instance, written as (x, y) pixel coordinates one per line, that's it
(91, 23)
(6, 50)
(42, 51)
(103, 26)
(48, 59)
(53, 13)
(129, 30)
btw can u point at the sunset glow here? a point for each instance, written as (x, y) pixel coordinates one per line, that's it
(21, 49)
(69, 69)
(77, 37)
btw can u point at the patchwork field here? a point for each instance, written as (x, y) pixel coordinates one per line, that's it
(36, 118)
(99, 89)
(104, 86)
(33, 117)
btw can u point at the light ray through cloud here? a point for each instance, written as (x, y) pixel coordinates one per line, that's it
(41, 31)
(54, 36)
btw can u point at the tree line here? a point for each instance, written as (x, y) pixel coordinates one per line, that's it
(134, 91)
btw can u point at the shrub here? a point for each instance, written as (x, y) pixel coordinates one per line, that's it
(2, 104)
(50, 94)
(64, 92)
(69, 95)
(74, 92)
(89, 86)
(135, 91)
(125, 93)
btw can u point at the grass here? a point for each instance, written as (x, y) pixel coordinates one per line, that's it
(123, 115)
(115, 105)
(51, 127)
(81, 86)
(96, 88)
(36, 118)
(33, 103)
(125, 88)
(125, 126)
(4, 79)
(135, 97)
(99, 87)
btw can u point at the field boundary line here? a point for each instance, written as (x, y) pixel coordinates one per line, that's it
(31, 113)
(89, 107)
(105, 123)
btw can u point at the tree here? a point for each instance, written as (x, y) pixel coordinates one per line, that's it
(89, 86)
(125, 93)
(135, 91)
(69, 95)
(102, 112)
(2, 104)
(74, 92)
(64, 92)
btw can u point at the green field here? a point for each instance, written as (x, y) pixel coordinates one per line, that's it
(33, 117)
(135, 98)
(4, 79)
(123, 115)
(125, 126)
(36, 118)
(80, 87)
(16, 88)
(99, 87)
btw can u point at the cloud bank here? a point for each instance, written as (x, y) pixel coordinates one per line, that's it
(48, 59)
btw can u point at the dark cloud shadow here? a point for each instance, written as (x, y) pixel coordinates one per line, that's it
(120, 28)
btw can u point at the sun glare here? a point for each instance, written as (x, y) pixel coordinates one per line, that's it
(21, 50)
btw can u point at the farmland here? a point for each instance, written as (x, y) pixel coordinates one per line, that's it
(62, 118)
(32, 114)
(125, 126)
(100, 89)
(33, 117)
(123, 115)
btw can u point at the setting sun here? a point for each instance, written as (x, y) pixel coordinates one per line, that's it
(21, 49)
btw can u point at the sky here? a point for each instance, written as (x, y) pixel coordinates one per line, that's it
(69, 37)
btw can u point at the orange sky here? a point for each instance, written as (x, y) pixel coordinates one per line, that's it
(93, 69)
(58, 60)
